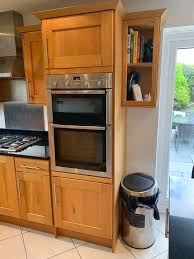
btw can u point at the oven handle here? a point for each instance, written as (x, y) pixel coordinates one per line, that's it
(109, 107)
(78, 127)
(77, 91)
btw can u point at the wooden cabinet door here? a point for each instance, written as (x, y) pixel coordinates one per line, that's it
(35, 197)
(79, 41)
(34, 67)
(8, 187)
(83, 206)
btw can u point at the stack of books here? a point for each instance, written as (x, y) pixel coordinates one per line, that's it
(135, 47)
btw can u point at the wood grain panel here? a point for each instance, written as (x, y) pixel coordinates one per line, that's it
(79, 206)
(8, 190)
(35, 197)
(34, 68)
(28, 165)
(79, 41)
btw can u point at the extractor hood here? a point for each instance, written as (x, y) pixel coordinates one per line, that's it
(11, 59)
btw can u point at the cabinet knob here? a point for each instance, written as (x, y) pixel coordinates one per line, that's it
(73, 210)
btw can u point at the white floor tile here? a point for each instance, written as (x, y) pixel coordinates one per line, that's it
(41, 245)
(78, 242)
(160, 246)
(8, 230)
(162, 256)
(178, 174)
(187, 174)
(160, 224)
(91, 251)
(72, 254)
(180, 167)
(12, 248)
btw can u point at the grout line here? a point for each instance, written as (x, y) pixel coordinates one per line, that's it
(127, 247)
(24, 247)
(159, 254)
(61, 253)
(76, 249)
(84, 242)
(10, 237)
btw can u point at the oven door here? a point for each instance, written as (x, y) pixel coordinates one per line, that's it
(81, 149)
(80, 107)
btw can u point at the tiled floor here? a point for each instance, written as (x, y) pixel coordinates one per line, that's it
(24, 243)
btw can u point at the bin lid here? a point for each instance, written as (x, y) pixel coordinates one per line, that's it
(139, 185)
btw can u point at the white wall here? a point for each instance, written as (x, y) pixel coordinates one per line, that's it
(179, 12)
(142, 123)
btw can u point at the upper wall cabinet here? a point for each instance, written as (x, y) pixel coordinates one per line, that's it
(34, 63)
(78, 41)
(141, 58)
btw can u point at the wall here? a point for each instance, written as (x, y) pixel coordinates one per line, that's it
(179, 12)
(142, 123)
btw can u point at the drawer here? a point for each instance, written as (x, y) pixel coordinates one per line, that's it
(28, 165)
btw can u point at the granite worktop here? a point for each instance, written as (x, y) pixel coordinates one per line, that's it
(181, 222)
(38, 150)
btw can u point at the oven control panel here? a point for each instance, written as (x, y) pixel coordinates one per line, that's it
(79, 81)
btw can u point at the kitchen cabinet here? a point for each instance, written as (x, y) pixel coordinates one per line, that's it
(33, 64)
(34, 190)
(83, 206)
(78, 41)
(8, 197)
(87, 38)
(148, 26)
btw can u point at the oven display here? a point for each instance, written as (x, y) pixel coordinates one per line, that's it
(76, 78)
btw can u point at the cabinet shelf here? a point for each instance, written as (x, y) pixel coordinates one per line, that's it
(132, 103)
(139, 65)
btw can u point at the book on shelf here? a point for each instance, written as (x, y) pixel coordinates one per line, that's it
(135, 48)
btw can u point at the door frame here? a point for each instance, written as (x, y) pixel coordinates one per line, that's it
(173, 39)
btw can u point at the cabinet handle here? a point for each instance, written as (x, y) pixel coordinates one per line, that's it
(30, 89)
(18, 187)
(30, 167)
(167, 223)
(46, 50)
(55, 194)
(20, 193)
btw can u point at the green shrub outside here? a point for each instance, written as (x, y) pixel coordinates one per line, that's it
(182, 89)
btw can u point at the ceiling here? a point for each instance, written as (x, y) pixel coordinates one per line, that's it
(27, 6)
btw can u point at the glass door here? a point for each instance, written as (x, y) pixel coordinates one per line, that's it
(79, 107)
(80, 149)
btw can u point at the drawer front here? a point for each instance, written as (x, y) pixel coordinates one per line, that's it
(32, 166)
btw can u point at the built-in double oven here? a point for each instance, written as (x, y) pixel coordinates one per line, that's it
(80, 123)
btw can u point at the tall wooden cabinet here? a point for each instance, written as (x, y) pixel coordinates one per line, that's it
(8, 188)
(88, 39)
(34, 63)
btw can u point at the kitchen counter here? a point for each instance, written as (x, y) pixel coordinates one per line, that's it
(181, 224)
(39, 150)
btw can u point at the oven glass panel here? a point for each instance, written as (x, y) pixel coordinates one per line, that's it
(78, 109)
(82, 149)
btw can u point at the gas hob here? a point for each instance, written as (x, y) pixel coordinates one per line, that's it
(14, 143)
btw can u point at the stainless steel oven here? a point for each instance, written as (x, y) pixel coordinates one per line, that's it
(80, 123)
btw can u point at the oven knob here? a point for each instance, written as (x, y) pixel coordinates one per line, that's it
(99, 83)
(55, 84)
